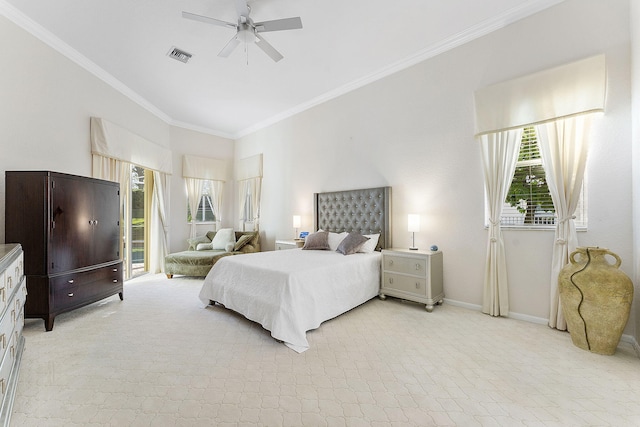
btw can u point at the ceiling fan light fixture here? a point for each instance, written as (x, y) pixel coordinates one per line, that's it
(246, 34)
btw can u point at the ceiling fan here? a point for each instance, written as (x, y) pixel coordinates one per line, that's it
(248, 31)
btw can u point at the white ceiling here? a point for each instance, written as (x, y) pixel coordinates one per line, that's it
(343, 45)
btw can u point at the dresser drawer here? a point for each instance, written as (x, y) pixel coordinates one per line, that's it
(75, 289)
(414, 285)
(406, 265)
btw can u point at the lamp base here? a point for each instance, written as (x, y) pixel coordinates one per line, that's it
(413, 249)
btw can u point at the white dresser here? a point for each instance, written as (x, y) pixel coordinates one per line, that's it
(13, 293)
(412, 275)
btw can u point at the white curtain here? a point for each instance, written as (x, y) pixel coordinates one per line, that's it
(118, 171)
(563, 147)
(499, 157)
(159, 236)
(216, 200)
(249, 177)
(256, 189)
(114, 150)
(243, 189)
(194, 194)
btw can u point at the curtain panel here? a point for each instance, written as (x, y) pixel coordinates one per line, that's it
(249, 177)
(563, 147)
(194, 193)
(499, 156)
(114, 150)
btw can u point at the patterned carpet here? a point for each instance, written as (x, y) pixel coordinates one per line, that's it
(159, 358)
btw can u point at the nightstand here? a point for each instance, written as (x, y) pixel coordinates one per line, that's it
(289, 244)
(412, 275)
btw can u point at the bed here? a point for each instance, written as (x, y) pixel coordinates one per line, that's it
(291, 292)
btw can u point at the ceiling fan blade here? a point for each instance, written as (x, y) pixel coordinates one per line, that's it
(242, 8)
(208, 20)
(230, 46)
(279, 25)
(268, 49)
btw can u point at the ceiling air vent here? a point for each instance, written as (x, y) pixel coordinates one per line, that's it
(179, 55)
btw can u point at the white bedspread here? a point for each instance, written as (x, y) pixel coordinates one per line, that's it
(293, 291)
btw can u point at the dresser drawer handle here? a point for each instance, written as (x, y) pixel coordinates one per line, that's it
(70, 294)
(391, 280)
(115, 280)
(115, 270)
(70, 281)
(3, 338)
(4, 294)
(390, 262)
(2, 381)
(418, 266)
(417, 285)
(10, 282)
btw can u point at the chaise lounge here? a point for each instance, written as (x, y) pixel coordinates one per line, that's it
(199, 258)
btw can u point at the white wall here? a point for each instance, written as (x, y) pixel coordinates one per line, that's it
(46, 101)
(414, 131)
(635, 84)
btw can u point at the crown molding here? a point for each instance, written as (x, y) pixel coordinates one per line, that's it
(472, 33)
(486, 27)
(44, 35)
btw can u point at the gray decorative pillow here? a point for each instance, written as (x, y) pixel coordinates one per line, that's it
(317, 241)
(351, 244)
(242, 241)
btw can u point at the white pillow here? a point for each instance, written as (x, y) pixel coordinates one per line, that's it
(203, 247)
(335, 239)
(370, 245)
(222, 237)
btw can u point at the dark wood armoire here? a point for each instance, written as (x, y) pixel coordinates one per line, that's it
(69, 228)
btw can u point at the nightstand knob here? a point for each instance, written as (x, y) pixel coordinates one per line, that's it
(390, 262)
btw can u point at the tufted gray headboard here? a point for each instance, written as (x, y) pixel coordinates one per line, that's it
(367, 211)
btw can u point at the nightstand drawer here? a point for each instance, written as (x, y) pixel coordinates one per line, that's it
(406, 265)
(414, 285)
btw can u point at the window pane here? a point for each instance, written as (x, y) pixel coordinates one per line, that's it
(205, 206)
(528, 202)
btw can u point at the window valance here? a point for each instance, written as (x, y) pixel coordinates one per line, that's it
(250, 167)
(113, 141)
(565, 91)
(204, 168)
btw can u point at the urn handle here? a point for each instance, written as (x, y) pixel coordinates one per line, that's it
(617, 257)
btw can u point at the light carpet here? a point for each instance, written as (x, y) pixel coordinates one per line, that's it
(159, 358)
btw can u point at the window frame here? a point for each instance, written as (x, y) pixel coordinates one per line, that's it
(581, 221)
(206, 190)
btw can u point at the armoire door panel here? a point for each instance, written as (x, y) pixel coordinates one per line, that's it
(70, 230)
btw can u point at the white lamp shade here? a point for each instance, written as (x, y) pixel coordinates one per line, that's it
(297, 221)
(413, 223)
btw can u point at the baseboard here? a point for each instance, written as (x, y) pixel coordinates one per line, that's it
(512, 315)
(539, 320)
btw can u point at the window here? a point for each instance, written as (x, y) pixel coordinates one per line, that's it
(205, 206)
(528, 203)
